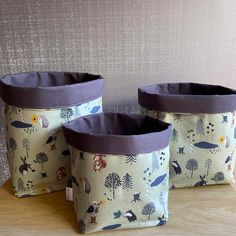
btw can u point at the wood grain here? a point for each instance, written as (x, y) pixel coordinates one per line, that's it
(195, 211)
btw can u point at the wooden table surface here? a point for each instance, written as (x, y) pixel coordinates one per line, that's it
(200, 211)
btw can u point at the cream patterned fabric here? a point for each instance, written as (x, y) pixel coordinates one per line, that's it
(38, 154)
(202, 147)
(120, 191)
(131, 43)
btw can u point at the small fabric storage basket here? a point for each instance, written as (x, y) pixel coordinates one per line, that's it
(202, 143)
(120, 169)
(37, 104)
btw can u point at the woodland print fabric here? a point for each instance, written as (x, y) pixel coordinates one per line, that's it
(38, 155)
(120, 191)
(202, 147)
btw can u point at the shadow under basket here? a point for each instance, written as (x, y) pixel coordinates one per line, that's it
(37, 104)
(203, 139)
(120, 171)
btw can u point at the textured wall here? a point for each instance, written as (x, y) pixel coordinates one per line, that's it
(130, 42)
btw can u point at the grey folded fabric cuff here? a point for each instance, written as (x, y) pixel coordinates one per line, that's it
(117, 133)
(187, 98)
(50, 89)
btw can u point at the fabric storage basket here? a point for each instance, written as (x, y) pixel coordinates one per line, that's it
(37, 104)
(120, 169)
(202, 144)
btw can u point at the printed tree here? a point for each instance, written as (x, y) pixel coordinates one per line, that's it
(66, 114)
(149, 209)
(200, 127)
(112, 181)
(155, 163)
(219, 176)
(13, 146)
(77, 111)
(73, 158)
(127, 182)
(178, 117)
(20, 185)
(191, 136)
(208, 165)
(174, 136)
(41, 158)
(162, 202)
(81, 155)
(191, 165)
(82, 225)
(25, 144)
(131, 159)
(147, 178)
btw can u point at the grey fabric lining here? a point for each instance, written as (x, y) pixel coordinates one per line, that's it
(50, 89)
(188, 98)
(117, 133)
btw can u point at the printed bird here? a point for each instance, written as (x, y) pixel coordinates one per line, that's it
(93, 210)
(43, 121)
(51, 138)
(66, 152)
(52, 141)
(117, 214)
(86, 185)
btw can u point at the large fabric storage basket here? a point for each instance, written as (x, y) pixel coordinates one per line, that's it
(120, 169)
(37, 104)
(202, 144)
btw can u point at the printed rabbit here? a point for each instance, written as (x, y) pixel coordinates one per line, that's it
(24, 167)
(202, 182)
